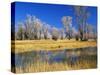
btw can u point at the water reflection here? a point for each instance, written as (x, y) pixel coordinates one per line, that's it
(70, 56)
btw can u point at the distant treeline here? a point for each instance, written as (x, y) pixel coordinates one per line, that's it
(34, 29)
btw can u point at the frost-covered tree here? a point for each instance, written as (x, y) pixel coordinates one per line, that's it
(37, 28)
(20, 33)
(82, 15)
(55, 33)
(28, 27)
(67, 22)
(62, 34)
(91, 32)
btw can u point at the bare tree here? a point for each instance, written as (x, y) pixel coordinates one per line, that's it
(37, 28)
(67, 22)
(55, 33)
(62, 34)
(28, 27)
(74, 32)
(20, 33)
(82, 15)
(45, 30)
(91, 31)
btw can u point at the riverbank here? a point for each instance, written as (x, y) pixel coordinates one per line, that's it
(31, 45)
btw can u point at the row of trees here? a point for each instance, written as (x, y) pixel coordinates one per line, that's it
(34, 29)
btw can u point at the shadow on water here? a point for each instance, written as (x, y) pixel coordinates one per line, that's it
(70, 56)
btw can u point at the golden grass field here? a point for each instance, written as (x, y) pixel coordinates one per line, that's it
(29, 45)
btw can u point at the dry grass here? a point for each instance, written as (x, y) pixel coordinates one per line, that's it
(29, 45)
(43, 67)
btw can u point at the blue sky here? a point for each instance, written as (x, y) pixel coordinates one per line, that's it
(50, 13)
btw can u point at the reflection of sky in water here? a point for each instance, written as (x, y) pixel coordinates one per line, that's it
(59, 56)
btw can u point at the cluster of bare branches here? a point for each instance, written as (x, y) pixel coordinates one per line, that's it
(85, 30)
